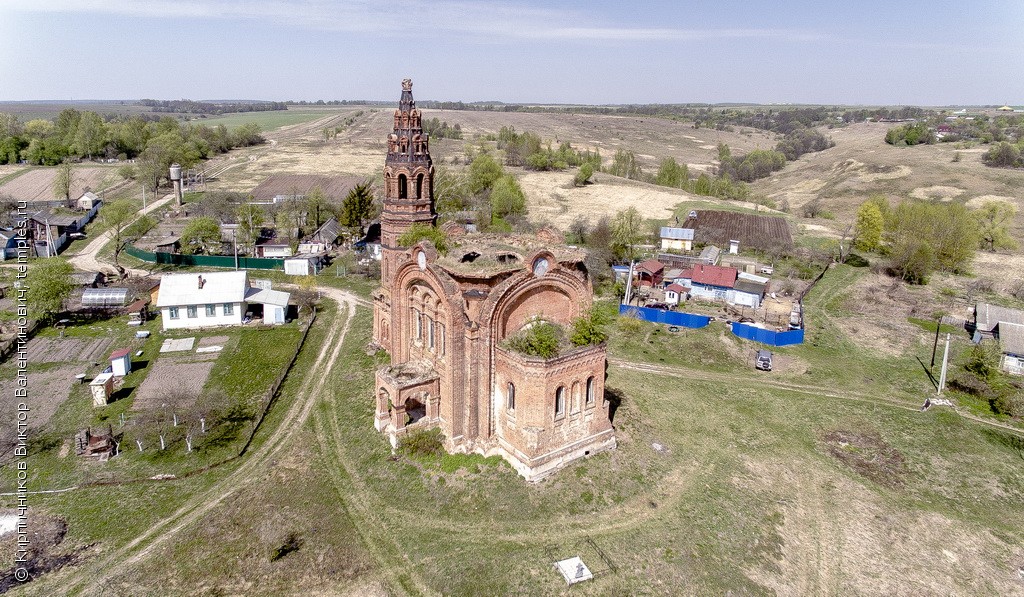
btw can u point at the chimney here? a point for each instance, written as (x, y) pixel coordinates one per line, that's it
(201, 281)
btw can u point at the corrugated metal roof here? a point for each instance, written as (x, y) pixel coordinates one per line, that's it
(987, 316)
(750, 286)
(267, 297)
(1011, 338)
(713, 275)
(219, 287)
(651, 266)
(672, 233)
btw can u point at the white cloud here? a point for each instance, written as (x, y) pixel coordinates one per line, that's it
(487, 20)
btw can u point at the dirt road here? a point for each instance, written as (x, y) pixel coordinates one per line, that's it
(96, 573)
(86, 259)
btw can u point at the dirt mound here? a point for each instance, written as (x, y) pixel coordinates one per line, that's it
(867, 453)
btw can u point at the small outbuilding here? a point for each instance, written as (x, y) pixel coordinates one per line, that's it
(121, 362)
(678, 239)
(101, 387)
(88, 200)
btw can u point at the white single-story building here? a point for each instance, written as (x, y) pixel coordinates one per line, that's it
(213, 299)
(674, 293)
(88, 200)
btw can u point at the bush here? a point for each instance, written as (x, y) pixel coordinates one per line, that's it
(423, 442)
(583, 175)
(1009, 404)
(291, 542)
(588, 330)
(539, 339)
(419, 232)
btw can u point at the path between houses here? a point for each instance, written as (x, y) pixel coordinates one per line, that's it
(86, 259)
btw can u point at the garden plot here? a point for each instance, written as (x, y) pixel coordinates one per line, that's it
(46, 391)
(36, 184)
(67, 350)
(173, 380)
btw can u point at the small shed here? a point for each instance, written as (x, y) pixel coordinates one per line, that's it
(102, 387)
(303, 265)
(650, 272)
(88, 200)
(138, 312)
(275, 303)
(675, 293)
(121, 362)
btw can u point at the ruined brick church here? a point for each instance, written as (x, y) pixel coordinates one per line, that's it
(444, 319)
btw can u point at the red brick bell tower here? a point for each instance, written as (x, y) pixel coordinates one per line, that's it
(408, 182)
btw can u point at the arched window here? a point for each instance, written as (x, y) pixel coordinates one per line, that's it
(403, 187)
(590, 391)
(419, 186)
(430, 334)
(560, 402)
(418, 322)
(510, 397)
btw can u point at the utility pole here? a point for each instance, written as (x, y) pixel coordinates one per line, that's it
(945, 361)
(234, 241)
(143, 197)
(629, 283)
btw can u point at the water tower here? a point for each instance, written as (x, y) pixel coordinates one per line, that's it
(176, 181)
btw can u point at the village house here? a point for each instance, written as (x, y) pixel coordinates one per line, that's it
(1005, 325)
(273, 247)
(322, 239)
(676, 239)
(726, 284)
(214, 299)
(445, 319)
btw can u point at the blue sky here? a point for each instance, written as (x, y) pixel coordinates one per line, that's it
(871, 52)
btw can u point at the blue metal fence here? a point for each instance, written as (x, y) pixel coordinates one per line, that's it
(768, 336)
(686, 320)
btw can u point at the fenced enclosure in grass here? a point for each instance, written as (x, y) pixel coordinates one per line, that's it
(686, 320)
(205, 260)
(766, 336)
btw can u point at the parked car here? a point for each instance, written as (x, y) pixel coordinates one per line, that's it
(764, 360)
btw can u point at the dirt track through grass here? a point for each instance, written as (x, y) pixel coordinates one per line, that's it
(144, 545)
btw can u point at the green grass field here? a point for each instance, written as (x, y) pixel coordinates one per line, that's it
(269, 120)
(825, 479)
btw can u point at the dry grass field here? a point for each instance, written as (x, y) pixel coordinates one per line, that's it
(36, 184)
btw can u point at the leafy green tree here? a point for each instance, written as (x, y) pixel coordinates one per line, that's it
(201, 235)
(357, 208)
(248, 134)
(419, 232)
(90, 135)
(63, 180)
(868, 228)
(483, 173)
(120, 218)
(627, 232)
(624, 164)
(994, 219)
(583, 175)
(162, 151)
(702, 186)
(250, 223)
(451, 191)
(318, 208)
(671, 174)
(507, 198)
(49, 285)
